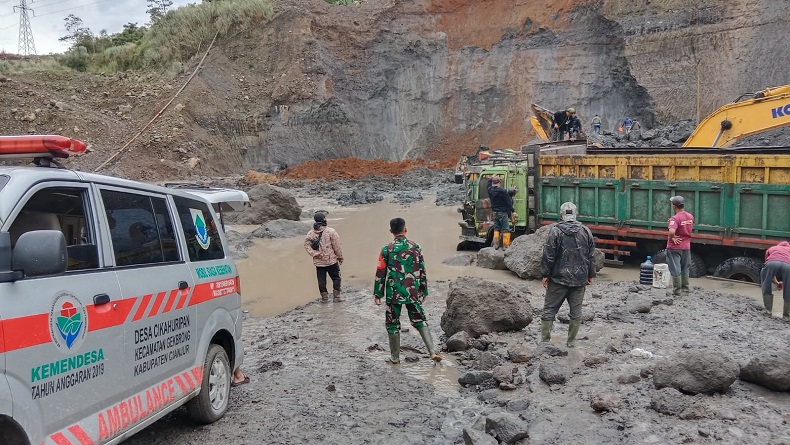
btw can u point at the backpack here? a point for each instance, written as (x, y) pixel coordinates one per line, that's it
(316, 243)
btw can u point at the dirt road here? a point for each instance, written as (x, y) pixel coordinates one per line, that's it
(318, 374)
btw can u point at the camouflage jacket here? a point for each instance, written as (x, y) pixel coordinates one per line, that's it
(400, 275)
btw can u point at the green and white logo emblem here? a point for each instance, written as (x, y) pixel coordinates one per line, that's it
(201, 230)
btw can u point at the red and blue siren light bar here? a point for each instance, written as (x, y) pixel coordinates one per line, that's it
(40, 146)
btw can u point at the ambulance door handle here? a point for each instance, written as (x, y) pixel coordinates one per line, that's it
(100, 299)
(183, 285)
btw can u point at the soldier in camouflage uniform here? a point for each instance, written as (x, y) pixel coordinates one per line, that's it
(400, 276)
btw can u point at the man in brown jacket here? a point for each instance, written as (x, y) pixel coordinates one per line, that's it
(323, 244)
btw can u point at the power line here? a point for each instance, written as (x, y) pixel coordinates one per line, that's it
(26, 44)
(73, 7)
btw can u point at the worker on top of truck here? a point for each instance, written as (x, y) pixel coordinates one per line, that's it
(560, 123)
(502, 207)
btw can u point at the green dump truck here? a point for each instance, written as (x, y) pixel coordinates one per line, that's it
(740, 199)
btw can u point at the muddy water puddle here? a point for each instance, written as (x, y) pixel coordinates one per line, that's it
(279, 275)
(361, 323)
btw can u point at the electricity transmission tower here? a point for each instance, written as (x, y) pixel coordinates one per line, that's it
(26, 44)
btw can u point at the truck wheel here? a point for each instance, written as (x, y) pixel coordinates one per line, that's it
(212, 401)
(697, 268)
(740, 268)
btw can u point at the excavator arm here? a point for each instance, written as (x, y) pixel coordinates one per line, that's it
(541, 121)
(761, 111)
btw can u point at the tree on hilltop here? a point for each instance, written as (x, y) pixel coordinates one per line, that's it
(157, 9)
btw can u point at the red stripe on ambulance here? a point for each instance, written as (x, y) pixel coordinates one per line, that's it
(170, 301)
(128, 413)
(215, 289)
(109, 315)
(60, 439)
(143, 306)
(24, 332)
(184, 294)
(81, 435)
(157, 304)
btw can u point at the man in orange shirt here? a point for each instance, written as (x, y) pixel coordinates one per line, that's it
(681, 224)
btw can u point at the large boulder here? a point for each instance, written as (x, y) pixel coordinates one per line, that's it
(506, 427)
(525, 253)
(697, 371)
(282, 228)
(552, 373)
(606, 401)
(460, 259)
(491, 258)
(267, 203)
(769, 369)
(474, 437)
(480, 306)
(669, 401)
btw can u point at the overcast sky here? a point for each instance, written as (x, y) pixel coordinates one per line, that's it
(47, 22)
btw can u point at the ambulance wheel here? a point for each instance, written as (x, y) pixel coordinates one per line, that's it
(212, 401)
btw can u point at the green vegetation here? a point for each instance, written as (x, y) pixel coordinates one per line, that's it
(26, 66)
(173, 38)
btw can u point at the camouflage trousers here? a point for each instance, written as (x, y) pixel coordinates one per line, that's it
(392, 316)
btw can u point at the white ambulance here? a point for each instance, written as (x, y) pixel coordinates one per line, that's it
(119, 302)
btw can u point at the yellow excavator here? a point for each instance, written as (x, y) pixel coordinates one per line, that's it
(750, 114)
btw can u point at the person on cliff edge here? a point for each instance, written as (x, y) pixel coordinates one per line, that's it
(401, 281)
(680, 225)
(568, 268)
(323, 244)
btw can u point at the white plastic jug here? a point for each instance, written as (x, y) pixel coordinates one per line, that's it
(661, 277)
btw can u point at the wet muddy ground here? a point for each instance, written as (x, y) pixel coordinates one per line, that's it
(318, 372)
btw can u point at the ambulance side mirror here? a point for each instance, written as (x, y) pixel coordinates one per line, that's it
(40, 253)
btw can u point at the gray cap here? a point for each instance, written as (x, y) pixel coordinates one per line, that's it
(677, 200)
(568, 211)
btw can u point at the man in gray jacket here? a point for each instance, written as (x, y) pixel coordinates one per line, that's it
(567, 267)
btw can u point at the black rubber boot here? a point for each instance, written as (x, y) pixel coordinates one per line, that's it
(425, 333)
(545, 330)
(676, 285)
(573, 330)
(684, 284)
(768, 302)
(394, 348)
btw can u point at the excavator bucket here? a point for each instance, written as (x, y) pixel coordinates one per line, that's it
(541, 121)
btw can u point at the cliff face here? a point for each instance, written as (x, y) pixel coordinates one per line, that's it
(407, 78)
(396, 79)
